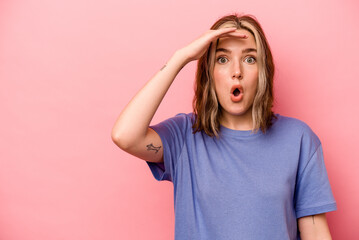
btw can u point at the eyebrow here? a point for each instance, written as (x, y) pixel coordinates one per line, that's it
(247, 50)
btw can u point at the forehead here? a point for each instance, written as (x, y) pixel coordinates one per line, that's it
(228, 42)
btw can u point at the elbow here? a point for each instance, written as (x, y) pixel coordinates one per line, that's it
(121, 141)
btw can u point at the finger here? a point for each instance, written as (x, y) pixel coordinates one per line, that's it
(235, 34)
(217, 32)
(222, 32)
(230, 33)
(225, 30)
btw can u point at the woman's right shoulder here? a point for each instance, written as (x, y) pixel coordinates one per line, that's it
(186, 116)
(180, 121)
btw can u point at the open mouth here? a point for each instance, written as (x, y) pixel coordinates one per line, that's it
(236, 92)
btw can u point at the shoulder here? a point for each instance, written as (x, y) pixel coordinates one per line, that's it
(179, 123)
(297, 127)
(185, 116)
(291, 122)
(183, 119)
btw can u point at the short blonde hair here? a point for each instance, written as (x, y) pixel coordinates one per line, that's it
(205, 103)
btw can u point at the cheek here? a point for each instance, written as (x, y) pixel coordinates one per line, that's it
(252, 83)
(254, 78)
(218, 73)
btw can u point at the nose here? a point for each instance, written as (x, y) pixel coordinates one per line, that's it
(237, 73)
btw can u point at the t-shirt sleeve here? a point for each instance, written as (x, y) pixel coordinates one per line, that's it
(313, 194)
(172, 133)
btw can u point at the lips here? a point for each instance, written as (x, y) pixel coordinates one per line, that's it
(236, 93)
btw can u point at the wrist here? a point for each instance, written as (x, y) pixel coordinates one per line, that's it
(179, 58)
(182, 56)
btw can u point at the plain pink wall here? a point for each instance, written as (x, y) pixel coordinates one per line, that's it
(67, 69)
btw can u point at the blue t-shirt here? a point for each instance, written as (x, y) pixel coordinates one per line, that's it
(243, 185)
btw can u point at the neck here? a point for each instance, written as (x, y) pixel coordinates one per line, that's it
(237, 122)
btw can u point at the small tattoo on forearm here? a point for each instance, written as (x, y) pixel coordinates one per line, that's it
(151, 147)
(163, 67)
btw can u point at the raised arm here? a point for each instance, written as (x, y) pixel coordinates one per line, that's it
(131, 131)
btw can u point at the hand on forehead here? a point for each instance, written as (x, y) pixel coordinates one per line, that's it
(239, 33)
(239, 36)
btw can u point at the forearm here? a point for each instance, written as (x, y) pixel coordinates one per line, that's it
(135, 118)
(314, 228)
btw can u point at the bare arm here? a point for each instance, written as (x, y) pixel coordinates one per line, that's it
(131, 127)
(314, 227)
(131, 131)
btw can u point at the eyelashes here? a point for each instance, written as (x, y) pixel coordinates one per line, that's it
(220, 58)
(254, 59)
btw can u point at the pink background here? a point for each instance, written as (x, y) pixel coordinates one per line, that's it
(67, 69)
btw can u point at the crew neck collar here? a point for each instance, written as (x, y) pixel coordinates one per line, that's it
(240, 133)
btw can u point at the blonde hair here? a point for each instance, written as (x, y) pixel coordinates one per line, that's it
(206, 107)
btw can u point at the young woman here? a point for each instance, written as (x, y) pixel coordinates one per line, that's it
(239, 171)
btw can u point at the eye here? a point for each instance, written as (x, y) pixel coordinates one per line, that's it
(251, 59)
(222, 60)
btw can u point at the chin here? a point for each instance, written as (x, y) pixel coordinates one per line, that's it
(239, 112)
